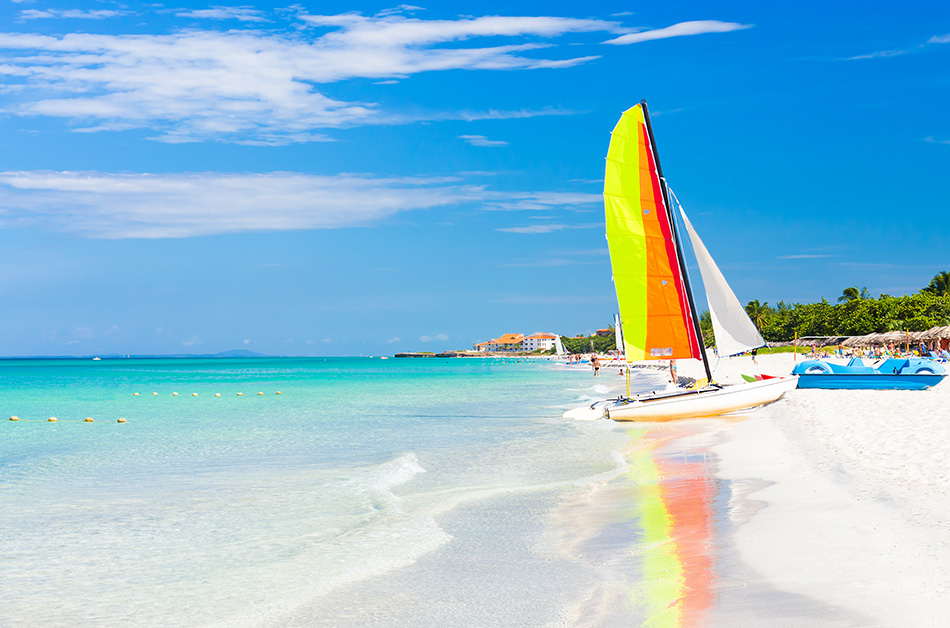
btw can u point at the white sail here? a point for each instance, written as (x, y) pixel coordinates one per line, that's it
(558, 346)
(733, 328)
(618, 334)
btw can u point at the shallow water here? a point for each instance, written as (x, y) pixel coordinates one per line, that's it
(412, 492)
(276, 509)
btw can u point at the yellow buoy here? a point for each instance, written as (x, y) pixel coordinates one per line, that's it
(89, 419)
(14, 418)
(194, 394)
(217, 394)
(121, 420)
(260, 393)
(174, 394)
(135, 394)
(277, 393)
(240, 394)
(154, 393)
(53, 419)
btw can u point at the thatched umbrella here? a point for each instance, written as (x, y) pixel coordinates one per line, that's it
(936, 333)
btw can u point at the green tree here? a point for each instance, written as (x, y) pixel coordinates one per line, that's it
(939, 285)
(849, 294)
(757, 312)
(706, 327)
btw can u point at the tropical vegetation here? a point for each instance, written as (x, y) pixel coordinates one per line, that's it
(855, 313)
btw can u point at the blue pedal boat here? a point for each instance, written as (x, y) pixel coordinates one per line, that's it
(891, 374)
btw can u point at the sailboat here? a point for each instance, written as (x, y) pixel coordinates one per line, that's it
(657, 312)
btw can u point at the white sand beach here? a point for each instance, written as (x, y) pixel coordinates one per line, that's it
(838, 496)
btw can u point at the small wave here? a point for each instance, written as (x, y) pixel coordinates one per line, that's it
(398, 471)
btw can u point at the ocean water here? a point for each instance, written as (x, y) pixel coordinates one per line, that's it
(400, 492)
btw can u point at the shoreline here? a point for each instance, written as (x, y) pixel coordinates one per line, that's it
(833, 504)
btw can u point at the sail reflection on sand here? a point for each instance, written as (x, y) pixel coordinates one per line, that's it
(674, 506)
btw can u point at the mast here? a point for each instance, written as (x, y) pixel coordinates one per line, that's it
(676, 243)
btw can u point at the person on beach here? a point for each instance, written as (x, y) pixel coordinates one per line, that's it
(595, 364)
(754, 352)
(673, 372)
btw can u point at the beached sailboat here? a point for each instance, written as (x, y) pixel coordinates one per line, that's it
(657, 312)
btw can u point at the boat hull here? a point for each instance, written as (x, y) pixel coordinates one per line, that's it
(869, 381)
(701, 403)
(892, 374)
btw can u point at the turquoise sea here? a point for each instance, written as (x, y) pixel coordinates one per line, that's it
(369, 492)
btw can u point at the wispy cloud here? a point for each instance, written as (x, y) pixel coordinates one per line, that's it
(884, 54)
(108, 205)
(933, 140)
(803, 256)
(540, 201)
(242, 14)
(263, 86)
(679, 30)
(94, 14)
(481, 140)
(102, 205)
(547, 228)
(439, 337)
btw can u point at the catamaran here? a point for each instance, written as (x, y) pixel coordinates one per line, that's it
(657, 312)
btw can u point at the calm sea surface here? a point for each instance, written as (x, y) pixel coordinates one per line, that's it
(400, 492)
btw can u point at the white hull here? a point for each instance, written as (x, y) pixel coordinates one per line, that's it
(702, 403)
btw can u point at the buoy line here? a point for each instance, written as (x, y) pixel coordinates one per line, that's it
(53, 419)
(194, 394)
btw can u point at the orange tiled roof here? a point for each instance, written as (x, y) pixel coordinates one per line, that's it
(541, 335)
(509, 339)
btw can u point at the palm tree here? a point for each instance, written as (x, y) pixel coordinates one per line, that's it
(757, 312)
(850, 294)
(940, 284)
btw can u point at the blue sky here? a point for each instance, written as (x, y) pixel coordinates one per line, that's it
(339, 179)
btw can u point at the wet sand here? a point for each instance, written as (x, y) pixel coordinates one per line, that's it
(826, 508)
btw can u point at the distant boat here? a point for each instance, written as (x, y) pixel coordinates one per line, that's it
(559, 347)
(657, 315)
(891, 374)
(94, 359)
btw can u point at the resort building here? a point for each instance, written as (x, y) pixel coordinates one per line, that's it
(506, 342)
(518, 342)
(539, 340)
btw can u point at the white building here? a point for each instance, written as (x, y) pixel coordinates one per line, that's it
(539, 340)
(518, 342)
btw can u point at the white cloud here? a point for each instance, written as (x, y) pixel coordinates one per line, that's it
(803, 256)
(103, 205)
(481, 140)
(439, 337)
(392, 340)
(679, 30)
(939, 39)
(933, 140)
(100, 14)
(261, 86)
(547, 228)
(247, 341)
(108, 205)
(242, 14)
(883, 54)
(540, 201)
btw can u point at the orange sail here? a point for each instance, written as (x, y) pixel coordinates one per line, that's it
(651, 291)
